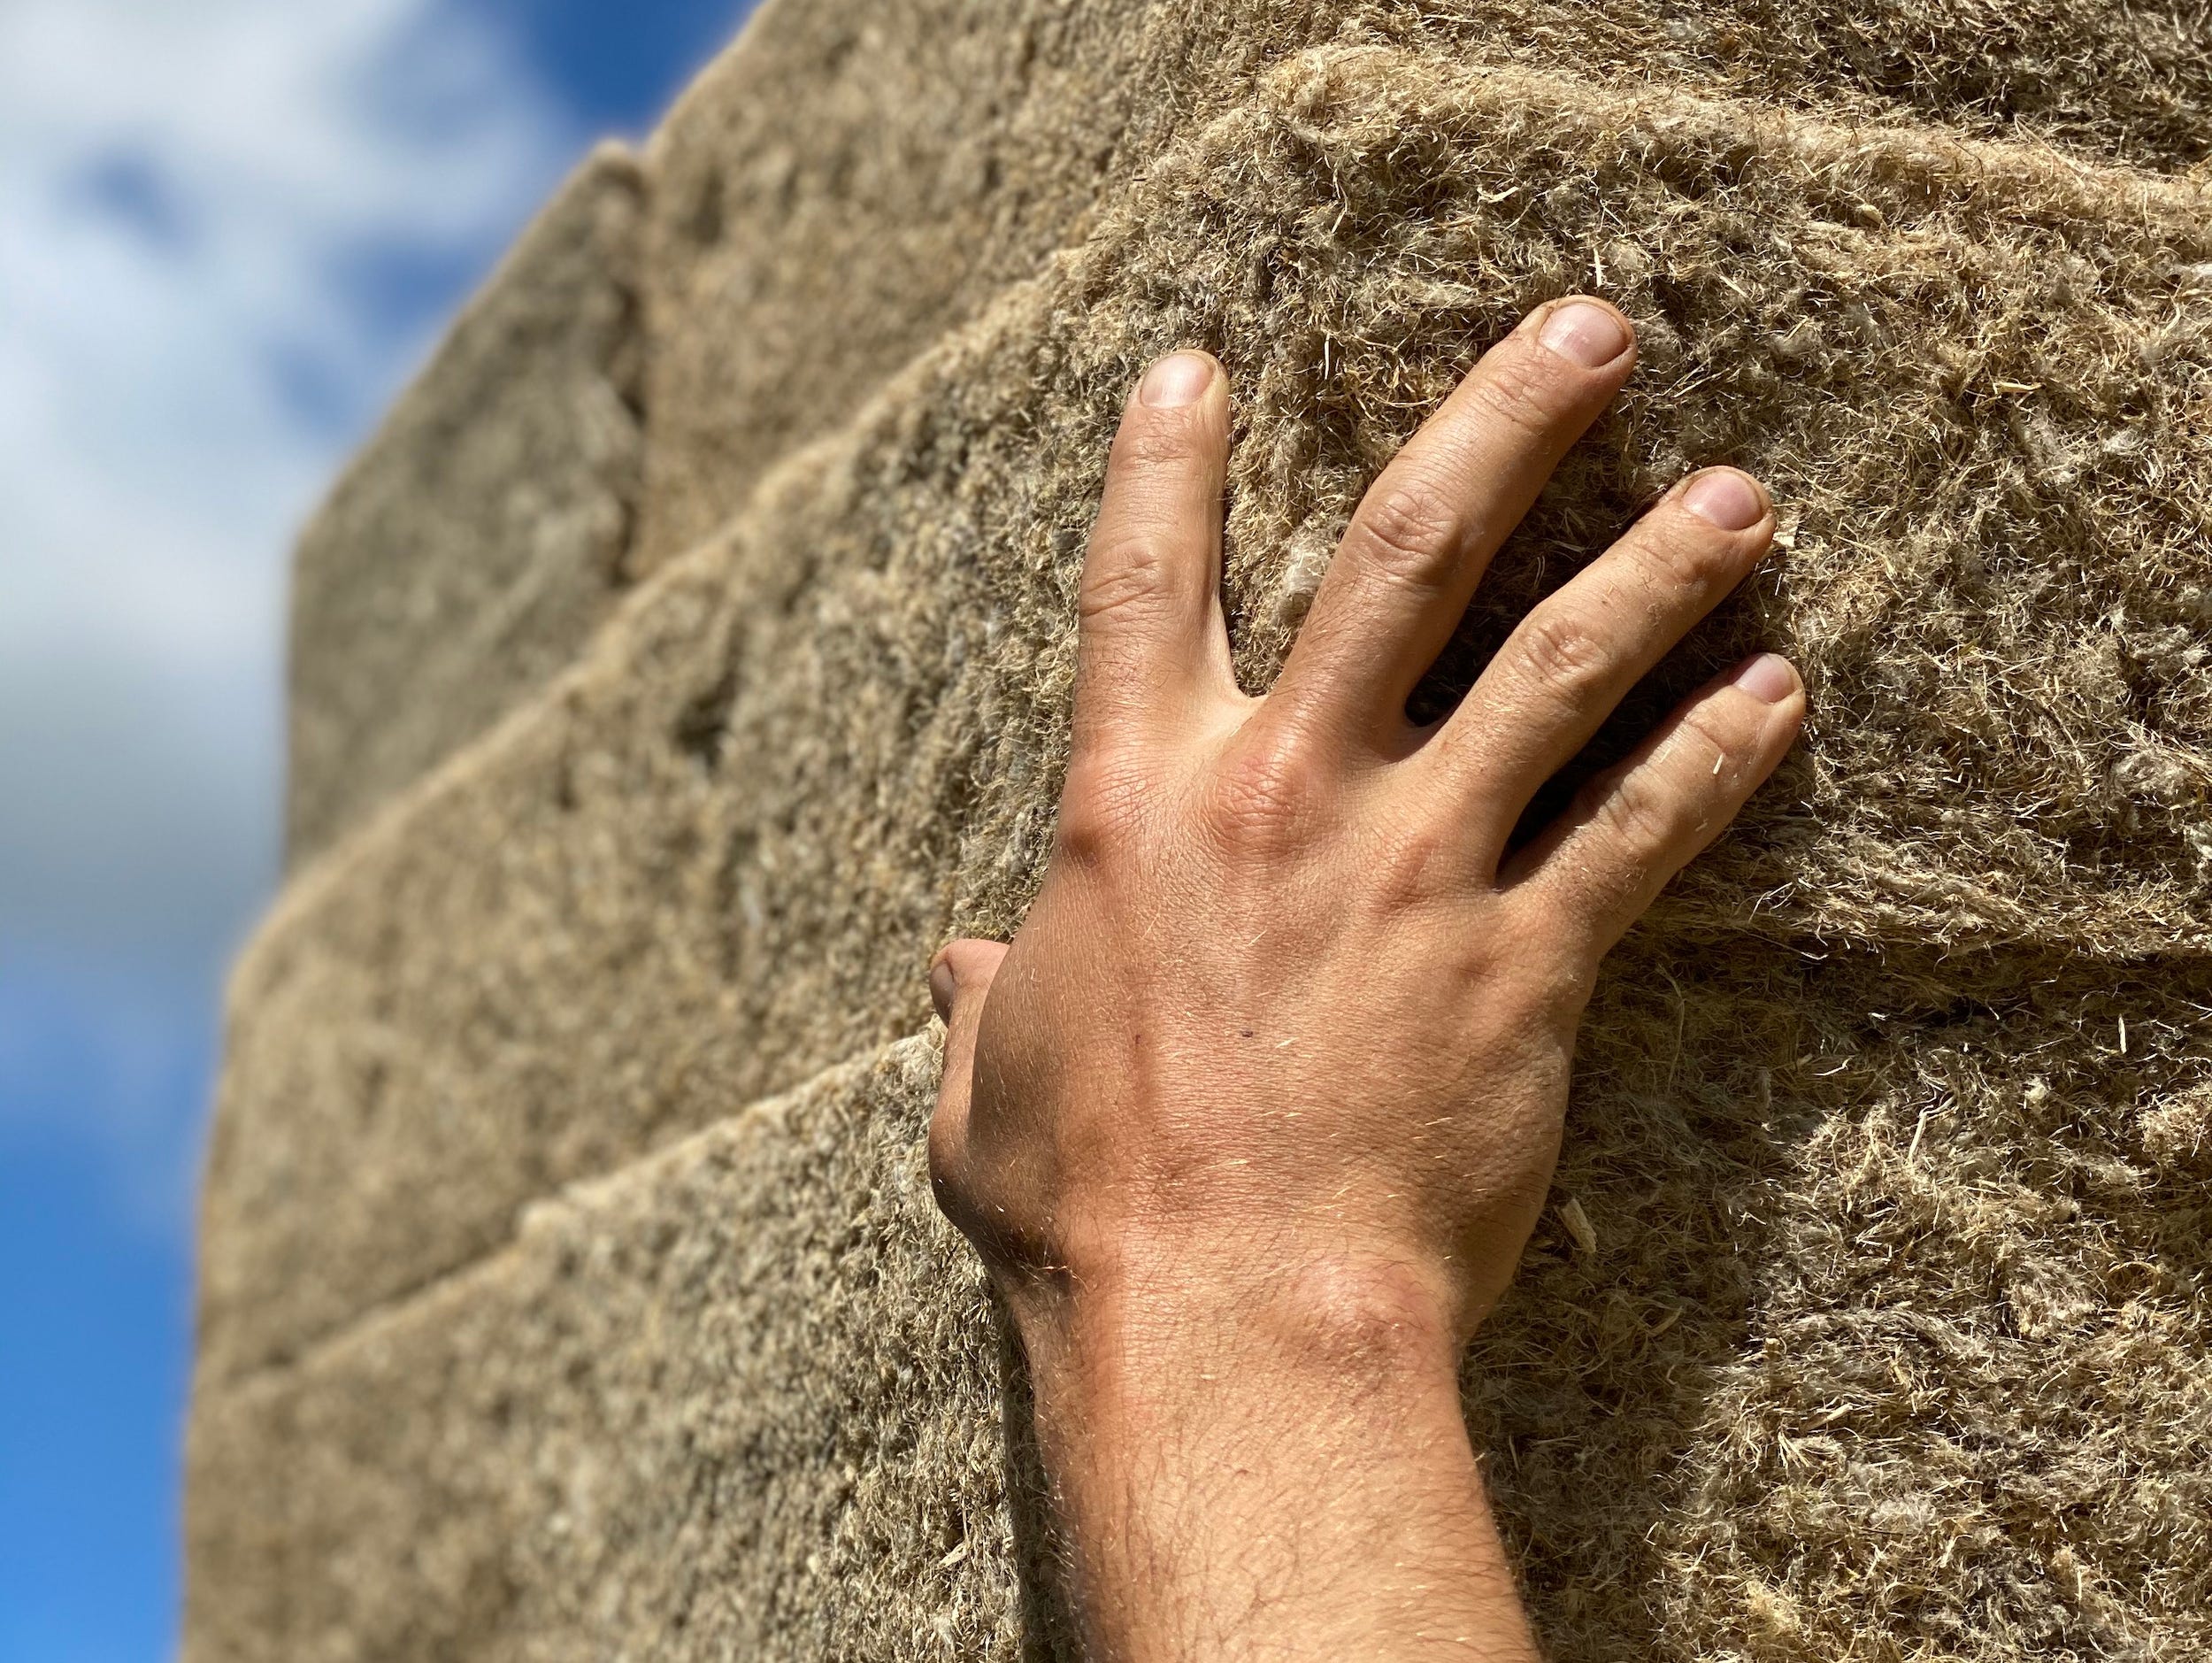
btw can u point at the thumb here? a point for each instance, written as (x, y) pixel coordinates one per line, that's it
(959, 983)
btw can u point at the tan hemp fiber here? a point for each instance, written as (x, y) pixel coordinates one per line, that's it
(1871, 1323)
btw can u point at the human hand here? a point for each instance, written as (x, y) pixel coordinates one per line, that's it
(1272, 1077)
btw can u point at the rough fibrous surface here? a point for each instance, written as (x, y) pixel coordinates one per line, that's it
(742, 1399)
(785, 270)
(1892, 1126)
(949, 145)
(470, 552)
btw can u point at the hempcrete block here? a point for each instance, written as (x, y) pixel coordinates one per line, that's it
(1892, 1123)
(741, 1400)
(949, 147)
(715, 858)
(1887, 1345)
(1889, 1342)
(468, 554)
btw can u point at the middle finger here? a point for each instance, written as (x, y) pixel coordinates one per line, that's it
(1422, 537)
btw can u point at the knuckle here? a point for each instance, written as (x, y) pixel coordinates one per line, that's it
(1101, 808)
(1637, 815)
(1124, 575)
(1559, 658)
(1696, 557)
(1425, 864)
(1407, 531)
(1152, 441)
(1263, 794)
(1086, 833)
(1529, 392)
(1713, 740)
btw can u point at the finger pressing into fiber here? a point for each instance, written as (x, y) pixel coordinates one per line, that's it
(1632, 827)
(1425, 533)
(960, 981)
(1572, 659)
(1152, 635)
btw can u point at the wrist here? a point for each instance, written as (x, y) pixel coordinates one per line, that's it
(1199, 1334)
(1286, 1442)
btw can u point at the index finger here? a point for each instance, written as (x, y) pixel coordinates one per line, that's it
(1152, 639)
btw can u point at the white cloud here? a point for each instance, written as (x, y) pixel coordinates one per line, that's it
(194, 202)
(188, 196)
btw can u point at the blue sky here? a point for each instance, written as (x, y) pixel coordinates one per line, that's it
(229, 230)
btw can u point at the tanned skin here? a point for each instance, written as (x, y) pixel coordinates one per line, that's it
(1253, 1118)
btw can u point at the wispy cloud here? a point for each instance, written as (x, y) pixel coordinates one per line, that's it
(226, 229)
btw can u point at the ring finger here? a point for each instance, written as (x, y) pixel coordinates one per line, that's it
(1572, 659)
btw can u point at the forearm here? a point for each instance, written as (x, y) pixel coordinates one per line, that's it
(1283, 1474)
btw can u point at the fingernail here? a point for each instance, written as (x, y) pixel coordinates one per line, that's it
(1726, 498)
(1768, 678)
(1590, 334)
(1182, 379)
(942, 985)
